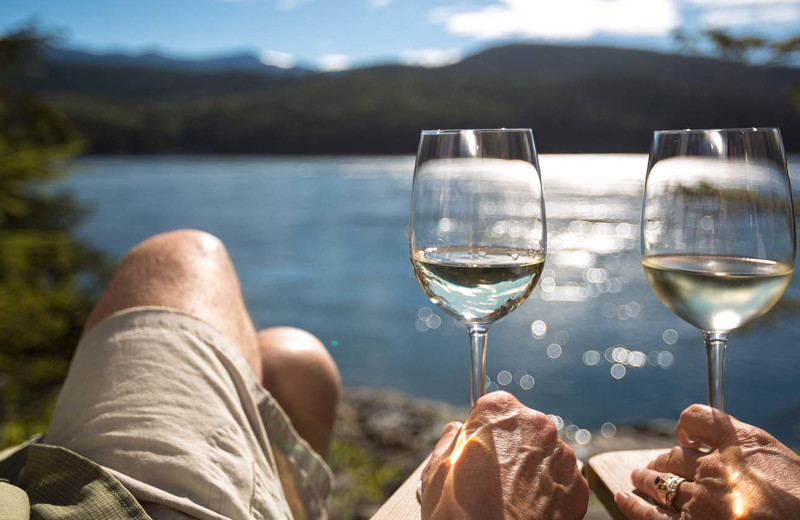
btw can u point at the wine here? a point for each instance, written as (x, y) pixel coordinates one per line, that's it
(717, 293)
(477, 285)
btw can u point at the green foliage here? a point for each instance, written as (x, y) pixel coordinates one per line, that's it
(747, 50)
(576, 99)
(47, 277)
(367, 482)
(740, 49)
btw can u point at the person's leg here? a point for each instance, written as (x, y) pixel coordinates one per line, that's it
(191, 271)
(300, 373)
(187, 270)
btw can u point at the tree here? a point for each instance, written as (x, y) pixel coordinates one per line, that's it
(48, 278)
(751, 50)
(748, 49)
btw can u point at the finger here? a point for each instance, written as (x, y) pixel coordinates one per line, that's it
(645, 481)
(678, 461)
(451, 426)
(442, 448)
(701, 424)
(636, 508)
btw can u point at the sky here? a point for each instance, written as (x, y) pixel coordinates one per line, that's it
(341, 34)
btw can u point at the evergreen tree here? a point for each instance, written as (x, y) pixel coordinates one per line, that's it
(48, 278)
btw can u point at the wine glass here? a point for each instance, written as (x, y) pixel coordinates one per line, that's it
(718, 231)
(477, 231)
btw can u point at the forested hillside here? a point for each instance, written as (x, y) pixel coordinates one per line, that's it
(576, 99)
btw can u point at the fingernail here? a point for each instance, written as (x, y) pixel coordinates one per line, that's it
(621, 496)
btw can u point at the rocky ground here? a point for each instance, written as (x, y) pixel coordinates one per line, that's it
(382, 435)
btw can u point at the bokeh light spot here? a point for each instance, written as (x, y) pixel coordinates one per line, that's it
(504, 377)
(591, 358)
(608, 430)
(538, 329)
(665, 359)
(559, 422)
(527, 382)
(637, 359)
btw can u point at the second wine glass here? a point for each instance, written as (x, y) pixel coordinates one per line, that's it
(477, 229)
(718, 232)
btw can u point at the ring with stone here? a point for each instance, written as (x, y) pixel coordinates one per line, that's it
(667, 489)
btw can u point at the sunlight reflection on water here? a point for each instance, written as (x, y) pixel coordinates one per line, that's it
(322, 243)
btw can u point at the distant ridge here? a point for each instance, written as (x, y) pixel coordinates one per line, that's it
(238, 62)
(576, 99)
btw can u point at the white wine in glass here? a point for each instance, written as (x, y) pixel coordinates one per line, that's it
(477, 231)
(718, 231)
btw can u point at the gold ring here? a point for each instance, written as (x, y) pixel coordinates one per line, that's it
(667, 489)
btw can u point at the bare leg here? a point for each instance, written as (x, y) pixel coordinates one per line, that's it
(186, 270)
(300, 373)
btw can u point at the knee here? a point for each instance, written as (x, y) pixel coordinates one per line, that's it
(189, 270)
(293, 357)
(183, 246)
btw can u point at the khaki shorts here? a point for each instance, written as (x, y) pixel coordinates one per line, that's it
(167, 404)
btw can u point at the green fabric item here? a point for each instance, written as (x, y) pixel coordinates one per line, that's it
(57, 484)
(14, 503)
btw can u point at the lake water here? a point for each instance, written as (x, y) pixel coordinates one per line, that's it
(321, 243)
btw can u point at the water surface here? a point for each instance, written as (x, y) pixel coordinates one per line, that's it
(321, 243)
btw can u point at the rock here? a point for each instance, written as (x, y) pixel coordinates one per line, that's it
(393, 426)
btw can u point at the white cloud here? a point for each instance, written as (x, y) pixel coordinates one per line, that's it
(280, 59)
(430, 57)
(562, 20)
(333, 62)
(380, 3)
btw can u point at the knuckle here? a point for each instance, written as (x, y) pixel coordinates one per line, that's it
(673, 456)
(710, 466)
(541, 424)
(567, 454)
(757, 436)
(496, 402)
(539, 420)
(453, 425)
(694, 409)
(547, 428)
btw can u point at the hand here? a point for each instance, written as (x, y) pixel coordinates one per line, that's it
(747, 473)
(505, 462)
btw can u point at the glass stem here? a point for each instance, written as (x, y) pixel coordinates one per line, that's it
(716, 342)
(477, 352)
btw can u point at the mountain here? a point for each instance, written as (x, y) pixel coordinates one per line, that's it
(243, 62)
(576, 99)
